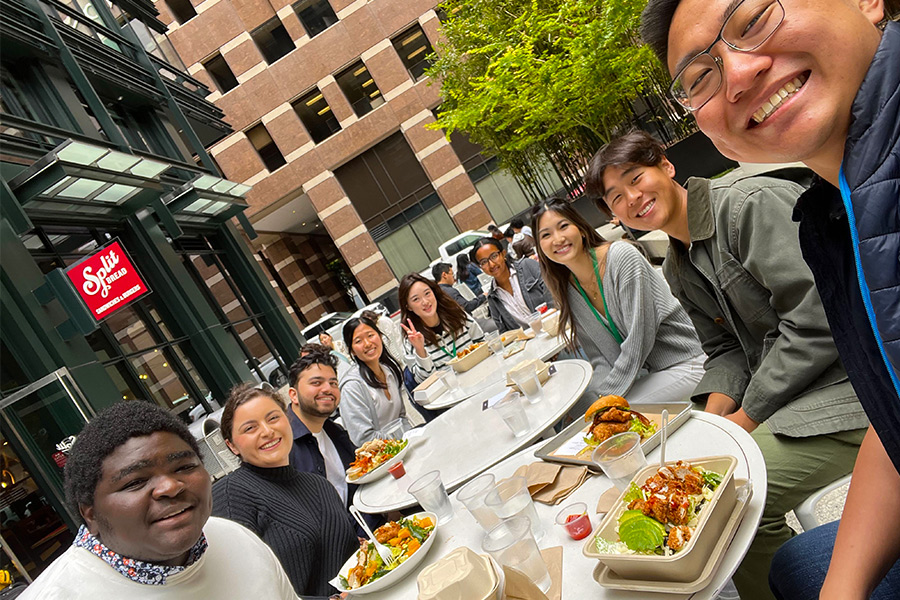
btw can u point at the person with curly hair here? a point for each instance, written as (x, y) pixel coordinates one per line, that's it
(135, 478)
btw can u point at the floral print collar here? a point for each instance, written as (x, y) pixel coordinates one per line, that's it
(136, 570)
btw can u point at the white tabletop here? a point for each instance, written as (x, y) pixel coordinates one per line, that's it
(702, 435)
(465, 440)
(492, 370)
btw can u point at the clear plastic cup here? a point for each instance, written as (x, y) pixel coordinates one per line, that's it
(620, 457)
(473, 495)
(430, 494)
(395, 429)
(512, 545)
(450, 380)
(526, 379)
(494, 342)
(575, 520)
(512, 410)
(534, 321)
(510, 498)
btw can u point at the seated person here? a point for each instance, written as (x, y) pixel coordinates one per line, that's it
(759, 318)
(373, 391)
(135, 478)
(467, 273)
(342, 362)
(443, 274)
(518, 288)
(521, 230)
(618, 310)
(299, 515)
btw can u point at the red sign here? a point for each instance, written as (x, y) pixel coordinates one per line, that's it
(107, 281)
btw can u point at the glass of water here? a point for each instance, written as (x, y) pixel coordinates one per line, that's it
(511, 498)
(512, 545)
(512, 411)
(431, 495)
(620, 457)
(473, 496)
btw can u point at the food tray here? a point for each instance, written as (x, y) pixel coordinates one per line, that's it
(687, 565)
(609, 579)
(461, 365)
(381, 470)
(555, 449)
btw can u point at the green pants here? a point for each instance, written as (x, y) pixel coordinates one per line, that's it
(796, 468)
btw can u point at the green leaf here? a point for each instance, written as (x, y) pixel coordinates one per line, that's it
(712, 479)
(633, 493)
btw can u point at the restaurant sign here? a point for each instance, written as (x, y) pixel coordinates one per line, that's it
(107, 280)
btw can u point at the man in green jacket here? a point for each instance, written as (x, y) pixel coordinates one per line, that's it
(734, 263)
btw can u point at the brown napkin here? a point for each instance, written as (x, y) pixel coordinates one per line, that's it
(538, 474)
(567, 481)
(608, 500)
(519, 587)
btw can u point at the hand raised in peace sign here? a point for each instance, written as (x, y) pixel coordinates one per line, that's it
(415, 337)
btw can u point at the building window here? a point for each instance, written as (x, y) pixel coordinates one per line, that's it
(413, 47)
(182, 10)
(265, 147)
(316, 116)
(316, 15)
(273, 40)
(220, 73)
(360, 89)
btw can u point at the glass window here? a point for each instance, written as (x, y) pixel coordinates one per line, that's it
(316, 116)
(265, 146)
(413, 47)
(182, 10)
(273, 40)
(220, 73)
(409, 248)
(360, 89)
(316, 15)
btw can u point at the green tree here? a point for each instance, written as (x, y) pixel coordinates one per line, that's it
(539, 80)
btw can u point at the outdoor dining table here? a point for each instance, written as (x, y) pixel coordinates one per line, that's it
(702, 435)
(466, 440)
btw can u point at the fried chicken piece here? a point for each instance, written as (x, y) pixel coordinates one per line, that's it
(604, 430)
(386, 532)
(678, 537)
(615, 415)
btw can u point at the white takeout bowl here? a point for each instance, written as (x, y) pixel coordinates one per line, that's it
(397, 574)
(460, 575)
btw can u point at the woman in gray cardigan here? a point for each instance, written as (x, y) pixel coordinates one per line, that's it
(517, 289)
(620, 311)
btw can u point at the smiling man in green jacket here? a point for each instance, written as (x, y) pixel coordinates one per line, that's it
(734, 263)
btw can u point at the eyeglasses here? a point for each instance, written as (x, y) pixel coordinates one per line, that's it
(492, 258)
(749, 25)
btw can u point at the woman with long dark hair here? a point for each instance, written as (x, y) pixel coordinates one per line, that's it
(517, 289)
(467, 273)
(436, 327)
(372, 390)
(618, 309)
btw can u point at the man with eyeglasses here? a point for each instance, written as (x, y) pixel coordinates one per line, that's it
(818, 81)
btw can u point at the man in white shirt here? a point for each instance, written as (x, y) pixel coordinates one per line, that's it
(136, 479)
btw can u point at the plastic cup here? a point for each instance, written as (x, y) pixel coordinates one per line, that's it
(494, 342)
(526, 379)
(473, 495)
(395, 429)
(512, 411)
(534, 321)
(510, 498)
(398, 470)
(450, 380)
(575, 520)
(512, 545)
(430, 494)
(620, 457)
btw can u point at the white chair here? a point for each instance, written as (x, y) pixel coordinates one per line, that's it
(806, 511)
(465, 290)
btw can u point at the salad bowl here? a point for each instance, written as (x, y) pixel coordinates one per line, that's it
(381, 470)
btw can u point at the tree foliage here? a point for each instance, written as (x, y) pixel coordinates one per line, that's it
(532, 80)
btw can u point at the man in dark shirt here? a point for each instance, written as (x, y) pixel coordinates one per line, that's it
(443, 274)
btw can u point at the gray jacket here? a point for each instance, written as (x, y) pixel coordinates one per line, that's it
(358, 410)
(468, 305)
(534, 291)
(754, 304)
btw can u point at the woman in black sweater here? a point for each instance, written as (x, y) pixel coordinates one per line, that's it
(299, 515)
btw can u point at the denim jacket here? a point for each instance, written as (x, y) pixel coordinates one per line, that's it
(753, 302)
(534, 291)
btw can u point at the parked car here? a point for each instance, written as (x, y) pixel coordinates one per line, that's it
(459, 244)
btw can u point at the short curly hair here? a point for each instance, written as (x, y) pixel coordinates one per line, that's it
(103, 435)
(309, 356)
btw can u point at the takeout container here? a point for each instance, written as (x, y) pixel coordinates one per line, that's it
(512, 335)
(427, 391)
(461, 575)
(543, 371)
(551, 322)
(461, 365)
(686, 565)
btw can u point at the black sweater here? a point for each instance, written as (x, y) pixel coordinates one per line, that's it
(299, 515)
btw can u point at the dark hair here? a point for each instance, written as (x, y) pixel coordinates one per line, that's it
(385, 359)
(241, 394)
(509, 233)
(656, 19)
(438, 270)
(492, 227)
(489, 242)
(555, 275)
(453, 317)
(634, 148)
(315, 354)
(517, 224)
(103, 435)
(462, 267)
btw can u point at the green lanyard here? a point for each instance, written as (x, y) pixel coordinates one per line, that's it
(450, 354)
(610, 325)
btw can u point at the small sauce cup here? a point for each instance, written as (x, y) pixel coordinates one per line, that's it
(398, 470)
(575, 520)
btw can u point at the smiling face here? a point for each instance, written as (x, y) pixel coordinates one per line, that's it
(560, 239)
(825, 46)
(326, 340)
(261, 433)
(317, 393)
(497, 266)
(152, 500)
(421, 301)
(642, 197)
(366, 343)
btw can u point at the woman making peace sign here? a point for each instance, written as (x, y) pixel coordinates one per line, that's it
(436, 327)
